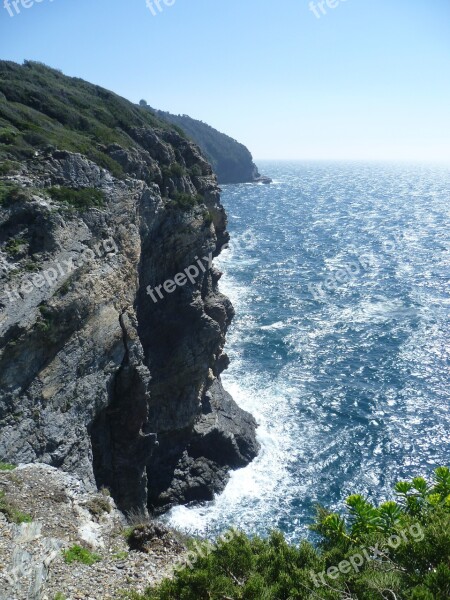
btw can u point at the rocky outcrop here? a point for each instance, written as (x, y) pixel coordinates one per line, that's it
(97, 376)
(59, 513)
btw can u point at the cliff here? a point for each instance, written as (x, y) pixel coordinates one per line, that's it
(110, 370)
(231, 161)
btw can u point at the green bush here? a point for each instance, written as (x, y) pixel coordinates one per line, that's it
(7, 467)
(81, 555)
(8, 193)
(411, 536)
(7, 167)
(185, 201)
(80, 199)
(15, 246)
(175, 170)
(7, 136)
(196, 171)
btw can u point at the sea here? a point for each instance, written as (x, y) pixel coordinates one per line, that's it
(339, 274)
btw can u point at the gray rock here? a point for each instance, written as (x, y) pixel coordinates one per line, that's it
(95, 377)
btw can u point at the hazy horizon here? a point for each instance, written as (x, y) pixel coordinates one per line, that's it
(361, 80)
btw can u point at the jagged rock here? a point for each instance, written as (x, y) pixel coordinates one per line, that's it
(96, 378)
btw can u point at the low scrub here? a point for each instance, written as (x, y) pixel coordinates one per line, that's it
(399, 550)
(81, 555)
(79, 199)
(185, 201)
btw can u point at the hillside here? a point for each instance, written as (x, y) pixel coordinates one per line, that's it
(231, 161)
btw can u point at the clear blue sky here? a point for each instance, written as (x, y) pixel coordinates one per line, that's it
(369, 79)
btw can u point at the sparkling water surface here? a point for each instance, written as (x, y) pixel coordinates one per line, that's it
(339, 273)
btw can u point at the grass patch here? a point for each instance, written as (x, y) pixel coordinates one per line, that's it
(79, 199)
(123, 555)
(11, 512)
(7, 467)
(81, 555)
(98, 505)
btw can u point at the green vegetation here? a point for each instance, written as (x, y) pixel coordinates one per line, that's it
(185, 201)
(31, 266)
(174, 170)
(399, 550)
(81, 555)
(207, 217)
(195, 171)
(80, 199)
(8, 193)
(231, 161)
(122, 555)
(15, 246)
(7, 467)
(11, 512)
(7, 167)
(60, 596)
(46, 323)
(44, 110)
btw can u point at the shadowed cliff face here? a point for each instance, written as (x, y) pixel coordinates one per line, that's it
(95, 376)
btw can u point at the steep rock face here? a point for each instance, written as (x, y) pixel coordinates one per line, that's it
(231, 160)
(96, 377)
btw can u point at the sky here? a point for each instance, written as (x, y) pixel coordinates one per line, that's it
(361, 79)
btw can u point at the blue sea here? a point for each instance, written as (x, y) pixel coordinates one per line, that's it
(339, 273)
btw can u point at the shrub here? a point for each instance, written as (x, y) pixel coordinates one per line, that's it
(15, 246)
(7, 136)
(196, 171)
(81, 555)
(174, 170)
(8, 192)
(185, 201)
(80, 199)
(7, 167)
(247, 568)
(207, 217)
